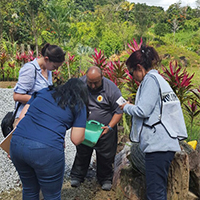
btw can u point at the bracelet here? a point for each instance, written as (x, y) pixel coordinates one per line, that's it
(110, 128)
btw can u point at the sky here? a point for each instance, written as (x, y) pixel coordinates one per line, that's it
(166, 3)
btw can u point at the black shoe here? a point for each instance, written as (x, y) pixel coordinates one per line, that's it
(75, 183)
(106, 186)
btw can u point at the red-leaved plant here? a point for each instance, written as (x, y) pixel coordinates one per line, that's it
(193, 111)
(134, 46)
(115, 71)
(99, 59)
(3, 59)
(179, 80)
(131, 86)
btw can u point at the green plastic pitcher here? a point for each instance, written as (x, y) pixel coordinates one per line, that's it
(93, 131)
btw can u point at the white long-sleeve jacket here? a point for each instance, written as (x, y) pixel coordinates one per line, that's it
(157, 125)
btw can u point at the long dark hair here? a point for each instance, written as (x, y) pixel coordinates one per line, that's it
(146, 56)
(73, 93)
(53, 52)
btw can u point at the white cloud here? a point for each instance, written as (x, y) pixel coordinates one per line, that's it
(165, 4)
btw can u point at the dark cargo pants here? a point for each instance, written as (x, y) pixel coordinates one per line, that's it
(105, 151)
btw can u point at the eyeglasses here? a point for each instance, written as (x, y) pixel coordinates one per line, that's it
(54, 66)
(131, 73)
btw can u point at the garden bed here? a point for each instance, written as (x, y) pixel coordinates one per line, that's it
(7, 84)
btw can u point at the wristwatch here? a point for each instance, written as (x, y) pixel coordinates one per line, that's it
(110, 128)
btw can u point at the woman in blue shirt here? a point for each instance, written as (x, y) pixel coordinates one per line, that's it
(35, 75)
(37, 144)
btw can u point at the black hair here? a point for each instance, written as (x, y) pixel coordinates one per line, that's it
(73, 93)
(146, 56)
(53, 52)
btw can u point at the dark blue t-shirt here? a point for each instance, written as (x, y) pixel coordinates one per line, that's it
(46, 122)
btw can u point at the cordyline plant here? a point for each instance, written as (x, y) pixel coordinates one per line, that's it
(115, 71)
(196, 93)
(3, 59)
(10, 70)
(179, 80)
(70, 61)
(134, 46)
(131, 86)
(24, 58)
(99, 59)
(193, 111)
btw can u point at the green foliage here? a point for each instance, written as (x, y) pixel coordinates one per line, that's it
(161, 29)
(110, 42)
(58, 13)
(192, 24)
(90, 4)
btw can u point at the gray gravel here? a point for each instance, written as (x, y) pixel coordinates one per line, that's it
(9, 178)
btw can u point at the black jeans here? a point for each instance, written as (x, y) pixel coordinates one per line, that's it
(105, 151)
(157, 167)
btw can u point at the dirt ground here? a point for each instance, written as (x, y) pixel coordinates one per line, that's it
(7, 84)
(91, 190)
(88, 190)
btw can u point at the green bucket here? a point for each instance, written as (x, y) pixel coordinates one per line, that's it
(93, 131)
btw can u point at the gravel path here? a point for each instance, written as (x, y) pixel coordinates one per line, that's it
(9, 178)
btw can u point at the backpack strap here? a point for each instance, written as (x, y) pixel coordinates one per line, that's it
(35, 70)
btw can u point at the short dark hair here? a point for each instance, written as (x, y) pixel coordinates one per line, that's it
(73, 93)
(53, 52)
(146, 56)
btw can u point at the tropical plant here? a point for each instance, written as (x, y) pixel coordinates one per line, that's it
(179, 80)
(99, 59)
(131, 86)
(134, 46)
(3, 59)
(193, 110)
(115, 71)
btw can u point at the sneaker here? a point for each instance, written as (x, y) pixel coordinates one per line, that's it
(106, 186)
(75, 183)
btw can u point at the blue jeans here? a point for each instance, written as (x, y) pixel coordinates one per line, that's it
(39, 166)
(157, 168)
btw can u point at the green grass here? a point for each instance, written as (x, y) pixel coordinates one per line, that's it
(196, 78)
